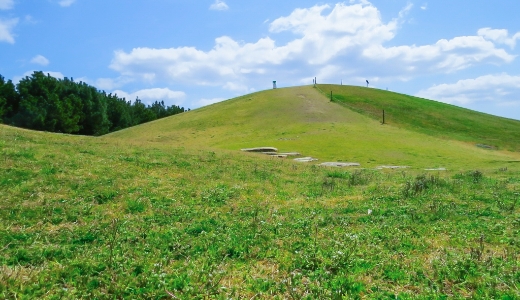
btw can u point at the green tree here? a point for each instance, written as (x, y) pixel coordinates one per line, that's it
(9, 100)
(32, 110)
(3, 101)
(174, 109)
(119, 113)
(47, 103)
(43, 102)
(71, 106)
(140, 113)
(94, 120)
(70, 113)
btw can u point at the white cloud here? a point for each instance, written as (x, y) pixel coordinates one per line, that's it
(344, 41)
(149, 96)
(40, 60)
(110, 83)
(424, 6)
(6, 4)
(237, 87)
(324, 37)
(106, 83)
(226, 61)
(219, 5)
(204, 101)
(500, 36)
(6, 26)
(500, 89)
(445, 55)
(66, 3)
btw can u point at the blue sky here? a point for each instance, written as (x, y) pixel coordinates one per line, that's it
(193, 53)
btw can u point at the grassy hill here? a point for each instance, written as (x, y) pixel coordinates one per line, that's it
(172, 209)
(302, 119)
(429, 117)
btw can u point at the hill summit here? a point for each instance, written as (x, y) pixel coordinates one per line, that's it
(417, 132)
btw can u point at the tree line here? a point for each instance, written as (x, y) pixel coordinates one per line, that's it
(42, 102)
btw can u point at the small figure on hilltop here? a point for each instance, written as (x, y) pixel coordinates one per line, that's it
(367, 82)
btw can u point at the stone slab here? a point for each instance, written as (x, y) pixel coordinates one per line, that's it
(340, 164)
(391, 167)
(305, 159)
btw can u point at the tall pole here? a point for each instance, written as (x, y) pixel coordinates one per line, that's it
(383, 116)
(330, 95)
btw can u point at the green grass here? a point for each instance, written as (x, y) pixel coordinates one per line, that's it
(84, 218)
(429, 117)
(303, 120)
(172, 209)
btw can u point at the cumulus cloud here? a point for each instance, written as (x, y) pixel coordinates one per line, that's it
(322, 38)
(151, 95)
(6, 27)
(40, 60)
(109, 83)
(219, 5)
(501, 89)
(343, 41)
(228, 60)
(6, 4)
(445, 55)
(66, 3)
(499, 36)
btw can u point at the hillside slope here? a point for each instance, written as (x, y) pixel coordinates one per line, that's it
(427, 116)
(97, 218)
(302, 119)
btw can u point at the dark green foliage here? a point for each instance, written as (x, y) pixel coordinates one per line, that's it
(42, 102)
(8, 99)
(140, 113)
(44, 105)
(118, 113)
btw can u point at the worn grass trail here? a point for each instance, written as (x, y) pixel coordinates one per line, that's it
(124, 218)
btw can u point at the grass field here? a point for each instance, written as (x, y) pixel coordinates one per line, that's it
(172, 209)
